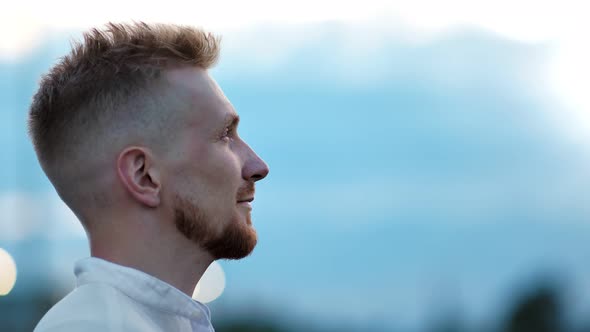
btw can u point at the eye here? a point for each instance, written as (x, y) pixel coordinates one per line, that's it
(227, 135)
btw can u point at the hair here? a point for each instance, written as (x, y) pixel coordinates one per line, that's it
(106, 83)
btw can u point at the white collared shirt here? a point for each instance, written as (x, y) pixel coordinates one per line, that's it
(114, 298)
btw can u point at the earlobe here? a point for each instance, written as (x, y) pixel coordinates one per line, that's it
(139, 176)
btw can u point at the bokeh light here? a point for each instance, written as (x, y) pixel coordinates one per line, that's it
(211, 285)
(7, 272)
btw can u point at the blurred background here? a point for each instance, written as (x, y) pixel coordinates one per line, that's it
(430, 163)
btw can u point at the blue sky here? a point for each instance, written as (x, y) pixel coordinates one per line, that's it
(405, 176)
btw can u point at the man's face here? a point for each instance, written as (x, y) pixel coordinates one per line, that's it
(210, 170)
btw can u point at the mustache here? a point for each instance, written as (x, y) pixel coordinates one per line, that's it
(246, 191)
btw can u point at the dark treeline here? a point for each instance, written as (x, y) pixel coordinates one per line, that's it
(540, 310)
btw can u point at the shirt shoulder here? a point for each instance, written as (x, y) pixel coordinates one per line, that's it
(94, 307)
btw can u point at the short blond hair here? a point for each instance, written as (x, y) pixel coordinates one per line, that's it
(104, 81)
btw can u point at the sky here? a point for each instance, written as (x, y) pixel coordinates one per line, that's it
(422, 156)
(562, 24)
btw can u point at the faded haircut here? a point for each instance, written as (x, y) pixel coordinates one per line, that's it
(105, 86)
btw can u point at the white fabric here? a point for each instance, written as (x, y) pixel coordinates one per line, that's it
(113, 298)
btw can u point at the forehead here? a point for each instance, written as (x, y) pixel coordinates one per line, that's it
(201, 99)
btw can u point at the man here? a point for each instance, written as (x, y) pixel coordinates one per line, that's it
(141, 143)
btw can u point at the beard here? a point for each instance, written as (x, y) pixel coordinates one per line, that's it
(237, 240)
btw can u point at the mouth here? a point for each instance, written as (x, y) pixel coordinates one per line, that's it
(245, 196)
(246, 203)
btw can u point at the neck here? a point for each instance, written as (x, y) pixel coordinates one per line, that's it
(163, 253)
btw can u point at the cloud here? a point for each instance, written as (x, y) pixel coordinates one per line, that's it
(457, 129)
(449, 125)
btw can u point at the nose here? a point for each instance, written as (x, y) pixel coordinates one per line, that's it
(255, 169)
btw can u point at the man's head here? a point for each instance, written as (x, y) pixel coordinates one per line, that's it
(130, 125)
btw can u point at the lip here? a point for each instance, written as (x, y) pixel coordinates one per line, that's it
(247, 200)
(246, 204)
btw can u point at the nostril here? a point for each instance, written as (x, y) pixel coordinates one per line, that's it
(259, 175)
(255, 169)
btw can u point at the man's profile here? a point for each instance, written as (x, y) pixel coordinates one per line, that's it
(142, 145)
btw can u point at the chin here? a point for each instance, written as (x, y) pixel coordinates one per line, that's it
(238, 241)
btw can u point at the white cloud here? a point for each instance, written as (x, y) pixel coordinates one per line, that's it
(24, 24)
(569, 78)
(523, 20)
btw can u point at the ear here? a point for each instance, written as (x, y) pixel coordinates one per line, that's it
(139, 175)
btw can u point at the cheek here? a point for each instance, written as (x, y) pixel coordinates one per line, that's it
(222, 168)
(211, 172)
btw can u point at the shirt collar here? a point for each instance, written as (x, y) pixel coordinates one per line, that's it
(139, 286)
